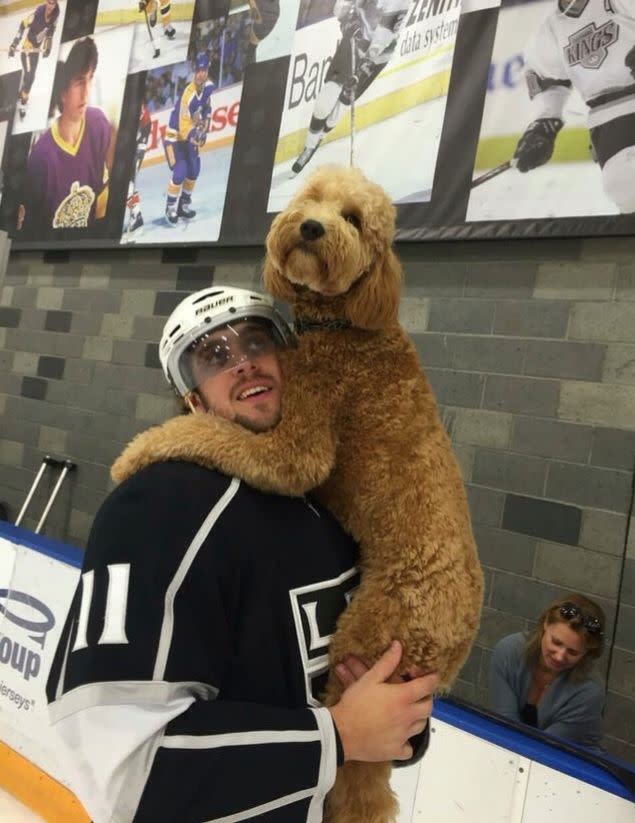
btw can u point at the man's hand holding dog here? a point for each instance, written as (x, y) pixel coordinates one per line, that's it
(379, 712)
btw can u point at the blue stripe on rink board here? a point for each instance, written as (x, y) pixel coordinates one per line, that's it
(539, 752)
(70, 555)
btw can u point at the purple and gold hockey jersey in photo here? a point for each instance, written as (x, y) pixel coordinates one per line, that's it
(67, 186)
(38, 27)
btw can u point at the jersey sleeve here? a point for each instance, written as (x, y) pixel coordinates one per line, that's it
(547, 81)
(502, 695)
(136, 686)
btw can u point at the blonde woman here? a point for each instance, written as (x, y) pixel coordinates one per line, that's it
(546, 680)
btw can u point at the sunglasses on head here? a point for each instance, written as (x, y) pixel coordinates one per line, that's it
(572, 612)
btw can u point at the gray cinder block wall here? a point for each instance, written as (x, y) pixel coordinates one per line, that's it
(530, 347)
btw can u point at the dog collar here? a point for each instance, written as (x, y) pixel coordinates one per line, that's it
(303, 324)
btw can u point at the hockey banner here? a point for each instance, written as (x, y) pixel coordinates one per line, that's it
(152, 122)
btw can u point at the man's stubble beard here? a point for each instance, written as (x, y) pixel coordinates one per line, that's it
(255, 426)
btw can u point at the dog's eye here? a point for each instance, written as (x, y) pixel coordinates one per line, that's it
(353, 219)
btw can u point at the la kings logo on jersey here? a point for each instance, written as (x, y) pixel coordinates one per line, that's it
(589, 47)
(315, 611)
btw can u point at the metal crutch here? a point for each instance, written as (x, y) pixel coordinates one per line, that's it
(66, 466)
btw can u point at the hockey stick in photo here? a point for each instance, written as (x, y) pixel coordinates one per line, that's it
(509, 164)
(157, 50)
(351, 157)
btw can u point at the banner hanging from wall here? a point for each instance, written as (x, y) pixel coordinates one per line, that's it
(158, 122)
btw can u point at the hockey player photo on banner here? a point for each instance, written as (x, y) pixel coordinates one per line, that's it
(69, 164)
(558, 130)
(367, 86)
(161, 29)
(186, 130)
(29, 40)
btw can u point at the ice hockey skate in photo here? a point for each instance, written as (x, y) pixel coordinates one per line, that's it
(30, 41)
(161, 29)
(367, 81)
(165, 204)
(559, 116)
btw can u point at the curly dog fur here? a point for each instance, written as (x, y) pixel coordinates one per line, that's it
(359, 422)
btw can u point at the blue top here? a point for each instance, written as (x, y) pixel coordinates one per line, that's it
(569, 710)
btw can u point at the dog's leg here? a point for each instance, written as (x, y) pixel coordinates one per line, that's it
(362, 794)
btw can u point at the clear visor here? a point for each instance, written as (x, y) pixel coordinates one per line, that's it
(228, 346)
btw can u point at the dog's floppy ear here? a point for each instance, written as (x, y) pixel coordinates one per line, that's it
(373, 302)
(275, 282)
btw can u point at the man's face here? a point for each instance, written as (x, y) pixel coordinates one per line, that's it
(75, 97)
(200, 77)
(248, 393)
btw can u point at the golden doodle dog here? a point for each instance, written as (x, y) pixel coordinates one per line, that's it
(359, 422)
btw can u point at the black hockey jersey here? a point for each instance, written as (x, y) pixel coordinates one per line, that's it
(186, 678)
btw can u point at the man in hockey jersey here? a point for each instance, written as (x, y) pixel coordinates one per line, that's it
(369, 35)
(186, 677)
(34, 37)
(69, 166)
(587, 45)
(185, 136)
(151, 8)
(135, 218)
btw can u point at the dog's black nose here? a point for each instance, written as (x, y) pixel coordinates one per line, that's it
(311, 230)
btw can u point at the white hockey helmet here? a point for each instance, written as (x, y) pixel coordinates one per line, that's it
(205, 311)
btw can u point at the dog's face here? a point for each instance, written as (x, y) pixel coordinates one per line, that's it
(334, 239)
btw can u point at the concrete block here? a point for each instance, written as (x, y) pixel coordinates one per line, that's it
(6, 295)
(630, 544)
(148, 328)
(551, 438)
(98, 348)
(576, 281)
(488, 354)
(86, 323)
(413, 314)
(622, 674)
(97, 301)
(625, 633)
(434, 350)
(433, 279)
(625, 282)
(603, 321)
(603, 404)
(11, 452)
(522, 395)
(193, 278)
(495, 625)
(479, 427)
(575, 361)
(78, 371)
(520, 318)
(505, 280)
(41, 274)
(52, 440)
(619, 364)
(486, 505)
(544, 519)
(613, 448)
(461, 315)
(138, 301)
(589, 487)
(502, 549)
(152, 408)
(603, 531)
(117, 325)
(619, 717)
(578, 569)
(620, 249)
(242, 275)
(25, 362)
(10, 317)
(49, 297)
(95, 276)
(24, 296)
(522, 596)
(510, 472)
(129, 352)
(453, 388)
(465, 458)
